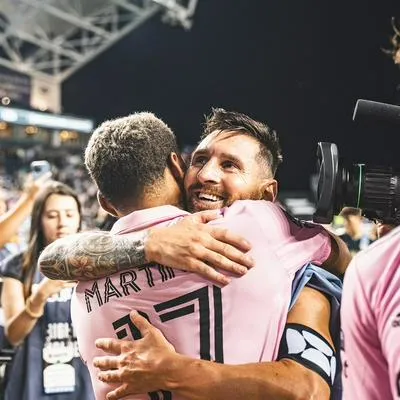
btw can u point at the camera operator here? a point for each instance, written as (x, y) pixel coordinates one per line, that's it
(358, 234)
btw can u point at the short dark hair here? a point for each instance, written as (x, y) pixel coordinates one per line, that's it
(127, 157)
(224, 121)
(349, 211)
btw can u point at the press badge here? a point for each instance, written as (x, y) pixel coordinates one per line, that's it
(59, 378)
(58, 353)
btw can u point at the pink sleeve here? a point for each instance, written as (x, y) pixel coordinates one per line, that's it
(388, 321)
(306, 244)
(295, 243)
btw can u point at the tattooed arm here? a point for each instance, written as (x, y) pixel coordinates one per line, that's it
(190, 245)
(92, 255)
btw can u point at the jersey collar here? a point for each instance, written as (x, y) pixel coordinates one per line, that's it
(143, 219)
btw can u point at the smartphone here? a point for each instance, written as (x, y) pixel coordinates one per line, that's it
(40, 168)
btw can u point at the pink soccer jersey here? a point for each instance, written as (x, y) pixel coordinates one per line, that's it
(371, 322)
(239, 323)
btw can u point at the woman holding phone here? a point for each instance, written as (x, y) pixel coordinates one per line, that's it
(46, 364)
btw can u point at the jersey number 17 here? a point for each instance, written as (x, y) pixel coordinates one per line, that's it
(180, 307)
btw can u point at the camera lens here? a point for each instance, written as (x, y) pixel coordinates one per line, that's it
(375, 190)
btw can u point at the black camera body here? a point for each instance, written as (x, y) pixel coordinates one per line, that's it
(373, 189)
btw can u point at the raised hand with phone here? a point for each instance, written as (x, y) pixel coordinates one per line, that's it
(11, 221)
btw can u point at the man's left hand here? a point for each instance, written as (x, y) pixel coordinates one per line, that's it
(140, 366)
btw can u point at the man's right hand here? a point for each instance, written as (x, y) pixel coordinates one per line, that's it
(193, 246)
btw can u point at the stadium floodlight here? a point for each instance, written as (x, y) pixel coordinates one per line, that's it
(51, 39)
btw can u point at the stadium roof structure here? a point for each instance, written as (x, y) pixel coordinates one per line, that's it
(51, 39)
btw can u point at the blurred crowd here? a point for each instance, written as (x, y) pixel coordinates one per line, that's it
(70, 171)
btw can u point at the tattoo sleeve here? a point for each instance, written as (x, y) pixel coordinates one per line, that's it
(92, 255)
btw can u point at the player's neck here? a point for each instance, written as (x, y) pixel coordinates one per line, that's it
(155, 201)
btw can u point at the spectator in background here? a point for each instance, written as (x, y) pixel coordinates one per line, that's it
(359, 234)
(37, 310)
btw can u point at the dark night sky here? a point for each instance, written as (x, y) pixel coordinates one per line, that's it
(300, 66)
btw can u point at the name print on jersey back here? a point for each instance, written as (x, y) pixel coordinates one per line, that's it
(125, 284)
(195, 315)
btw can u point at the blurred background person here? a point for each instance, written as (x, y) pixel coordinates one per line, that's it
(12, 218)
(46, 364)
(359, 233)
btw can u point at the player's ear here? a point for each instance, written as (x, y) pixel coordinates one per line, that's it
(106, 205)
(269, 190)
(177, 166)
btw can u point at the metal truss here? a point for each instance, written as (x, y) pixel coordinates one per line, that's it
(51, 39)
